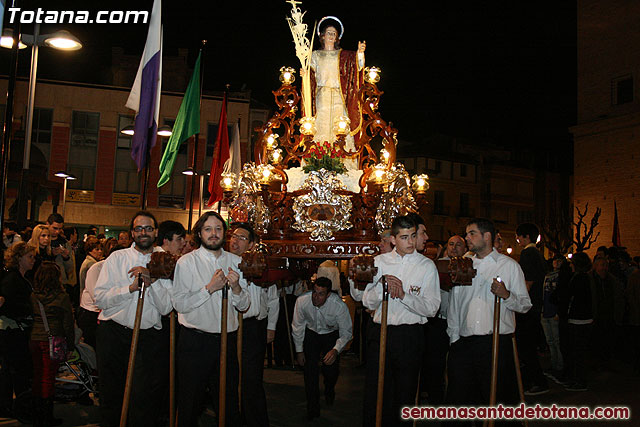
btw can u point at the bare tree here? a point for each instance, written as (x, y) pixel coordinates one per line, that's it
(556, 232)
(584, 237)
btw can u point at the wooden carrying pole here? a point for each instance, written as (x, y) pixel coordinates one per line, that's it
(383, 351)
(516, 361)
(132, 353)
(495, 345)
(239, 348)
(172, 368)
(286, 314)
(222, 390)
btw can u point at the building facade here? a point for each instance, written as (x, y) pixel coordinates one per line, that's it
(76, 128)
(607, 133)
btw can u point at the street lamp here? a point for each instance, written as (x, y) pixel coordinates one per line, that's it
(66, 177)
(192, 173)
(7, 40)
(163, 131)
(62, 40)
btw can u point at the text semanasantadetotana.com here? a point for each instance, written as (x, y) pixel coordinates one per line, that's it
(521, 412)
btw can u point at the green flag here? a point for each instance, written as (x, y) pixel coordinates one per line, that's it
(187, 124)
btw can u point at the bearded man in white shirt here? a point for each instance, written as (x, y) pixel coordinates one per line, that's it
(258, 330)
(199, 279)
(470, 321)
(321, 328)
(116, 295)
(413, 296)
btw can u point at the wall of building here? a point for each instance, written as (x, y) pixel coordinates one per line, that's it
(103, 206)
(607, 135)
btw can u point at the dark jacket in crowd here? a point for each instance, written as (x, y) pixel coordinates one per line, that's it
(57, 306)
(16, 290)
(41, 256)
(581, 301)
(534, 268)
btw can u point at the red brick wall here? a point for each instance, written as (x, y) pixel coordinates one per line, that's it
(105, 166)
(59, 151)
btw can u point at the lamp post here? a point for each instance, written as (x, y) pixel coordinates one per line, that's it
(66, 177)
(193, 173)
(62, 40)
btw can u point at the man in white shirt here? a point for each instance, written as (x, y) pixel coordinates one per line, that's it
(116, 295)
(199, 279)
(171, 239)
(435, 362)
(94, 254)
(321, 328)
(470, 321)
(88, 311)
(258, 330)
(413, 296)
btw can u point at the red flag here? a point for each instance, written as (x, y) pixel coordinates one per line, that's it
(220, 156)
(616, 227)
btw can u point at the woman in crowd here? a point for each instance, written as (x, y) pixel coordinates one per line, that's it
(41, 241)
(48, 291)
(15, 326)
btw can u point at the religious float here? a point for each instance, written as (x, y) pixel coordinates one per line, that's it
(317, 189)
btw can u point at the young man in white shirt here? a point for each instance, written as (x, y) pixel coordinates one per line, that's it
(321, 328)
(116, 295)
(199, 279)
(470, 321)
(413, 296)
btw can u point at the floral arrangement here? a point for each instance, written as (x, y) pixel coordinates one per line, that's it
(324, 156)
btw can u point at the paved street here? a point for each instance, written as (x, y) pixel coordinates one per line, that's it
(615, 385)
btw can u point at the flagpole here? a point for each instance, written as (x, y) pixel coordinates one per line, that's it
(226, 107)
(145, 178)
(195, 145)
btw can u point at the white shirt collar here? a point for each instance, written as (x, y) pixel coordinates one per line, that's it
(494, 255)
(207, 253)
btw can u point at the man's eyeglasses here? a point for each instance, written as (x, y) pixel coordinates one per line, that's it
(147, 228)
(239, 237)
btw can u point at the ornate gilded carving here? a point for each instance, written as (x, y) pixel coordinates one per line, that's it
(322, 211)
(396, 200)
(249, 205)
(335, 250)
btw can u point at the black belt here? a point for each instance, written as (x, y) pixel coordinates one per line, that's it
(198, 331)
(114, 323)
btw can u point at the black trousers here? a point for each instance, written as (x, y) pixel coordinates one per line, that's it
(113, 345)
(434, 362)
(254, 400)
(527, 335)
(160, 383)
(580, 337)
(470, 371)
(315, 347)
(199, 366)
(405, 347)
(281, 351)
(15, 367)
(88, 322)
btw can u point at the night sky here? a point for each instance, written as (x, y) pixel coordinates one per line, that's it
(502, 72)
